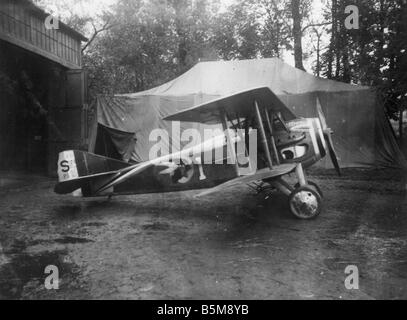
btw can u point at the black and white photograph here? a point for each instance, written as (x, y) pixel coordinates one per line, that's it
(203, 150)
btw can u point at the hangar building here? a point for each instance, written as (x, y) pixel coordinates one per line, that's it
(42, 89)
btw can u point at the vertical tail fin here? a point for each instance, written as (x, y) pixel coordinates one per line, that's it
(83, 170)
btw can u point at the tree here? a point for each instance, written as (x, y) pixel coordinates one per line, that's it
(193, 28)
(273, 26)
(373, 55)
(143, 43)
(297, 33)
(235, 34)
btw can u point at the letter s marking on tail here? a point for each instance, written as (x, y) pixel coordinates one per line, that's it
(67, 169)
(64, 165)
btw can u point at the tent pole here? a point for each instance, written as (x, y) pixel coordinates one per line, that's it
(93, 130)
(263, 135)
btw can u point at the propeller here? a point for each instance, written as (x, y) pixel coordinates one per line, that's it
(328, 138)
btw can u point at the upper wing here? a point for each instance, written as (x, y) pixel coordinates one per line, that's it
(236, 105)
(262, 174)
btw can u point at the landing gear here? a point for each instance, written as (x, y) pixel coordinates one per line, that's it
(304, 199)
(312, 184)
(305, 203)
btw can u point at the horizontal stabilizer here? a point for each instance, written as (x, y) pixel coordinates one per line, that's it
(69, 186)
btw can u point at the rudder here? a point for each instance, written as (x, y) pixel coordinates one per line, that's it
(83, 170)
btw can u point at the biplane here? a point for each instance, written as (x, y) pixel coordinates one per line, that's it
(284, 144)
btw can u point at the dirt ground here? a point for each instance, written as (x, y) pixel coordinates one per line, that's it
(233, 245)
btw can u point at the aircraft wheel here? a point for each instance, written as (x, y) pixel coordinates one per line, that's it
(313, 185)
(305, 203)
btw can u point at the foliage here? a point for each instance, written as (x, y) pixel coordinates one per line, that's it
(373, 55)
(148, 42)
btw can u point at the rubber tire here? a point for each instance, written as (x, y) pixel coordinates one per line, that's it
(314, 193)
(314, 185)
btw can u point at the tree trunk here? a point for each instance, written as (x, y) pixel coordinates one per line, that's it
(401, 125)
(180, 11)
(331, 50)
(319, 56)
(334, 39)
(346, 76)
(297, 34)
(318, 67)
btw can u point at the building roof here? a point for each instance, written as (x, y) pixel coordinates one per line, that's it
(22, 24)
(38, 11)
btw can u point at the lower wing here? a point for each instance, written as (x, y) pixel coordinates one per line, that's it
(262, 174)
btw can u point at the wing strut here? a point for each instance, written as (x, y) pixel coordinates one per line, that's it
(273, 142)
(263, 135)
(229, 140)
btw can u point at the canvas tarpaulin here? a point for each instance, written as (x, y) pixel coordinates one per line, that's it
(362, 134)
